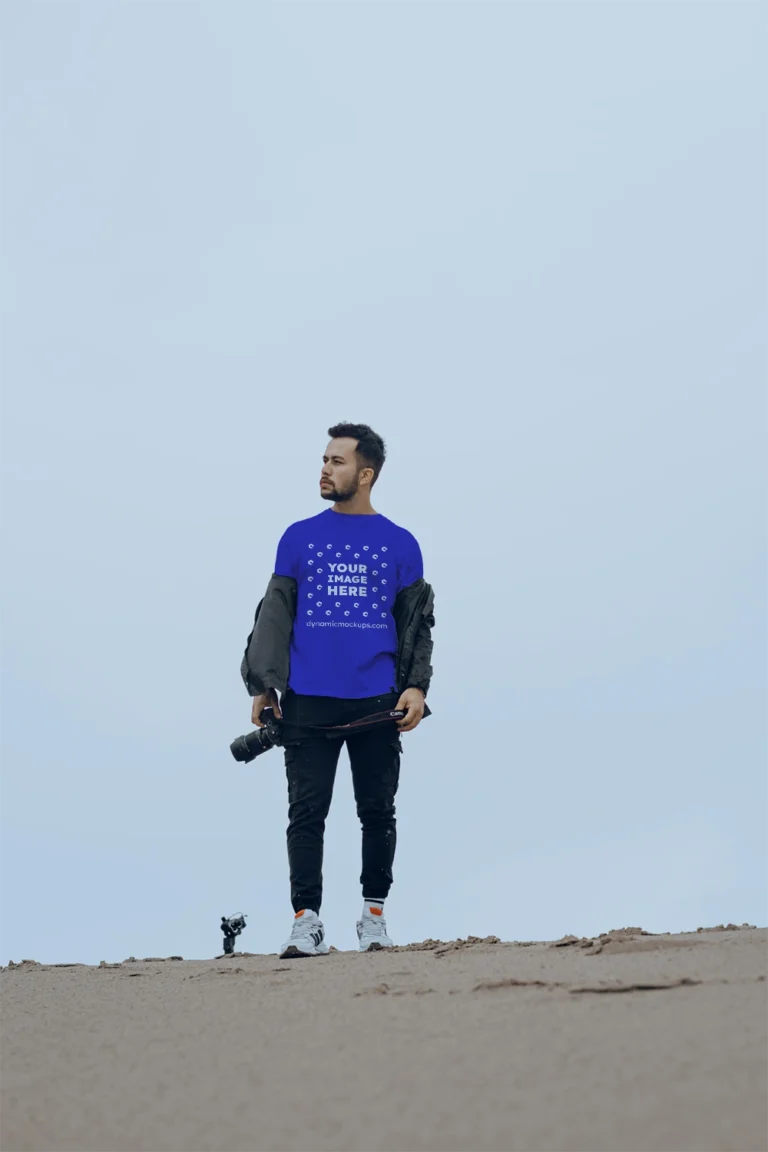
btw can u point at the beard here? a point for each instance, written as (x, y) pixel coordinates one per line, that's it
(340, 495)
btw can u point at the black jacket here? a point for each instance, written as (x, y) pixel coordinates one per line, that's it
(266, 662)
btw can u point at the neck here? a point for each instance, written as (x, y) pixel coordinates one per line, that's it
(359, 505)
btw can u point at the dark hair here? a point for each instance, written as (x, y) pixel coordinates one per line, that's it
(371, 450)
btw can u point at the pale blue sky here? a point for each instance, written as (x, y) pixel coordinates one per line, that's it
(527, 243)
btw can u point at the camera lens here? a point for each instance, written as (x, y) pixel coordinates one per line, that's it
(247, 748)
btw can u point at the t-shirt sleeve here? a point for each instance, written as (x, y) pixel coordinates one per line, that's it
(286, 561)
(410, 565)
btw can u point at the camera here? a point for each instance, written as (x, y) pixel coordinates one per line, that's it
(231, 926)
(253, 744)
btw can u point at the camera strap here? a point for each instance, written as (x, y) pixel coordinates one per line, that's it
(362, 724)
(374, 720)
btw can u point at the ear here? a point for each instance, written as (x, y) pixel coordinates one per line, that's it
(366, 476)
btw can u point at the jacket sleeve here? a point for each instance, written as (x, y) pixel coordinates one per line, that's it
(266, 663)
(420, 670)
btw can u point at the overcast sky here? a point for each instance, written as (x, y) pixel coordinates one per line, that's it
(527, 243)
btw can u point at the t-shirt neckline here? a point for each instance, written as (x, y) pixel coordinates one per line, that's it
(353, 515)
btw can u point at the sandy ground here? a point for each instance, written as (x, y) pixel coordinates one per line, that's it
(628, 1043)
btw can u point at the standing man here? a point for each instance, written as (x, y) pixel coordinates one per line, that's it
(343, 632)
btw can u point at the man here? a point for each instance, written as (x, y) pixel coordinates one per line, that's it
(343, 633)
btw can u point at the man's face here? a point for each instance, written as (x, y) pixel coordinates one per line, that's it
(340, 476)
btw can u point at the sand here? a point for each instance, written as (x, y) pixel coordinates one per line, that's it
(628, 1043)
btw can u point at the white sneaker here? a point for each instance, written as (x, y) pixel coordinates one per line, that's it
(372, 932)
(307, 937)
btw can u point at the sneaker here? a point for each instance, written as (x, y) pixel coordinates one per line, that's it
(307, 937)
(372, 932)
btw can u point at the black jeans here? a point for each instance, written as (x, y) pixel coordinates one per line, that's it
(310, 762)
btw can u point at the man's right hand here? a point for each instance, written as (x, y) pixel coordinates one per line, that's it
(267, 699)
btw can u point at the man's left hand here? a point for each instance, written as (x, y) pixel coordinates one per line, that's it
(412, 703)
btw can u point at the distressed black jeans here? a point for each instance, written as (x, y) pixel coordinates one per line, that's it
(310, 762)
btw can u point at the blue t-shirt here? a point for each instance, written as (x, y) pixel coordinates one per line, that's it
(348, 569)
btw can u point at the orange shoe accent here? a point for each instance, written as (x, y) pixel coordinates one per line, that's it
(376, 911)
(299, 913)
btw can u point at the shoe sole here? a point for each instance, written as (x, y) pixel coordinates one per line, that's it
(293, 953)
